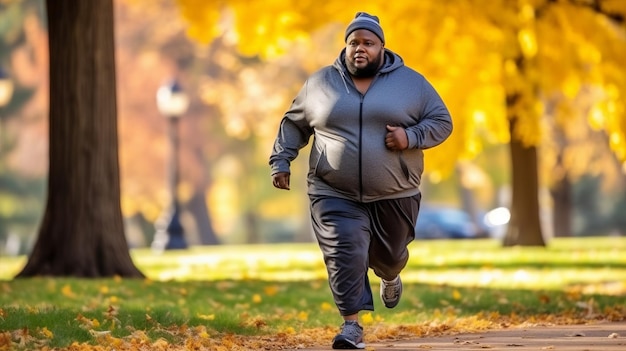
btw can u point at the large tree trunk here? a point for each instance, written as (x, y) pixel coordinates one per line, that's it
(82, 232)
(524, 227)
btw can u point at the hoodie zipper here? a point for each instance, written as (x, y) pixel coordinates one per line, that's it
(361, 147)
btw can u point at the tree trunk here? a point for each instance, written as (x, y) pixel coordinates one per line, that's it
(253, 235)
(468, 200)
(562, 199)
(82, 232)
(198, 208)
(524, 227)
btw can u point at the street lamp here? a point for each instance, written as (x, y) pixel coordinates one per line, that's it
(172, 102)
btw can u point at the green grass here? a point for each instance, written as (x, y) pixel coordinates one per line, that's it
(273, 289)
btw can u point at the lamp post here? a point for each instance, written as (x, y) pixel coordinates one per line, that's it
(172, 102)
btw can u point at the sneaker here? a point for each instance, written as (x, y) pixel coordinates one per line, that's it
(350, 337)
(390, 292)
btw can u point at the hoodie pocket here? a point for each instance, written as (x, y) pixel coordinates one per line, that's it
(319, 168)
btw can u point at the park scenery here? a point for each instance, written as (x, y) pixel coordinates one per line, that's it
(137, 210)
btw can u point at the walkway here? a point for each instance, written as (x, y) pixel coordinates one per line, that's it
(589, 337)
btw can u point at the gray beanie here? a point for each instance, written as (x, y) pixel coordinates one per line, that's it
(364, 20)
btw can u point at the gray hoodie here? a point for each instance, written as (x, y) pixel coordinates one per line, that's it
(348, 157)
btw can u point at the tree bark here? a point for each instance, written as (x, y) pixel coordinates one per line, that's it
(468, 200)
(524, 227)
(198, 208)
(562, 199)
(82, 232)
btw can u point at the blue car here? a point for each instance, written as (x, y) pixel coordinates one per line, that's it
(446, 223)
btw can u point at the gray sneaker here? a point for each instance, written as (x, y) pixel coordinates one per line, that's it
(390, 292)
(350, 337)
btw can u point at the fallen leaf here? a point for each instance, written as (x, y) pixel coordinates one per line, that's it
(99, 334)
(576, 334)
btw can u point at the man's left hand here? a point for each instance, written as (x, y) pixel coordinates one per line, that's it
(396, 139)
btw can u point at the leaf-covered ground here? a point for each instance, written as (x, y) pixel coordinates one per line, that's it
(276, 297)
(106, 317)
(201, 338)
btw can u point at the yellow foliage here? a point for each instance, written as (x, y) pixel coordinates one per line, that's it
(528, 43)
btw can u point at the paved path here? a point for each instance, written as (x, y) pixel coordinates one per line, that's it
(588, 337)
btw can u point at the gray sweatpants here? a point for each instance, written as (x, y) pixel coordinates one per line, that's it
(354, 236)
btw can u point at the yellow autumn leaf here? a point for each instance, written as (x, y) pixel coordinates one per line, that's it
(208, 317)
(326, 306)
(160, 344)
(47, 333)
(140, 336)
(84, 322)
(99, 333)
(456, 295)
(271, 290)
(256, 298)
(367, 318)
(303, 316)
(67, 291)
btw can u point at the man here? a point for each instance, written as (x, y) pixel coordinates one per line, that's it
(371, 116)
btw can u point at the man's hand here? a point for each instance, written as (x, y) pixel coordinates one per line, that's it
(281, 180)
(396, 139)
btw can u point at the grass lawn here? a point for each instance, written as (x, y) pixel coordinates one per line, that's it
(276, 296)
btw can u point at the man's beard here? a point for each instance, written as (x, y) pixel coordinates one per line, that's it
(368, 71)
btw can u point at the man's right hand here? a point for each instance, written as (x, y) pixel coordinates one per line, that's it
(281, 180)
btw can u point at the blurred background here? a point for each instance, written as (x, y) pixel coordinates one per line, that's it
(238, 79)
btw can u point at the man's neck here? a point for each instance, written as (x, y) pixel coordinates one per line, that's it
(362, 83)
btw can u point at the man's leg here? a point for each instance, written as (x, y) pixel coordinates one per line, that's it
(393, 227)
(342, 229)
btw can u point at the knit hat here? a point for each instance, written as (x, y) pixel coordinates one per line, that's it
(364, 20)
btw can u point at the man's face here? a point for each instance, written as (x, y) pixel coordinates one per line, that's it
(364, 53)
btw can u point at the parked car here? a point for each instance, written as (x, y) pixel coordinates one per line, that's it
(496, 221)
(447, 223)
